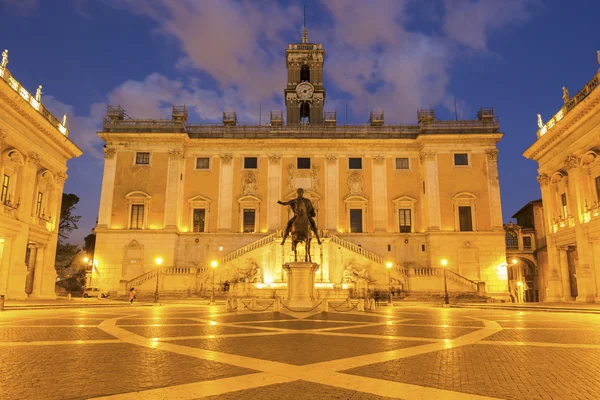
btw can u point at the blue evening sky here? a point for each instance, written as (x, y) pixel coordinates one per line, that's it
(395, 55)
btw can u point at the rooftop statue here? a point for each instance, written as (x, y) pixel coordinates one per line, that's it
(301, 223)
(540, 123)
(64, 120)
(4, 59)
(566, 97)
(38, 93)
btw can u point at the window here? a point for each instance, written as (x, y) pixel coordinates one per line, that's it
(303, 163)
(199, 218)
(401, 163)
(356, 221)
(4, 195)
(527, 242)
(142, 158)
(354, 163)
(250, 163)
(405, 221)
(563, 200)
(249, 220)
(137, 216)
(202, 163)
(461, 159)
(512, 239)
(304, 113)
(465, 218)
(598, 188)
(38, 206)
(305, 73)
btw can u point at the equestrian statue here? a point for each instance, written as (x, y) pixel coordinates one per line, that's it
(301, 224)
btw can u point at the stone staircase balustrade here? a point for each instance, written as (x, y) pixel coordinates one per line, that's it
(248, 248)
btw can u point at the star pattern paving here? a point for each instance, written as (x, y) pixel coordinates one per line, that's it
(196, 351)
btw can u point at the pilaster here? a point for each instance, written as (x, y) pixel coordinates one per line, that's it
(108, 186)
(380, 203)
(332, 192)
(225, 203)
(564, 272)
(28, 196)
(432, 189)
(494, 189)
(173, 206)
(273, 192)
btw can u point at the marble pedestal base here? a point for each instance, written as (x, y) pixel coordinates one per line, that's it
(301, 283)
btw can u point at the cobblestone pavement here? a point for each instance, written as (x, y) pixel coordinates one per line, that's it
(194, 352)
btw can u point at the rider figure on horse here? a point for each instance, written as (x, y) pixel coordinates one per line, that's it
(296, 204)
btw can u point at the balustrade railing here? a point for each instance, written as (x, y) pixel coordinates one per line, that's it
(356, 248)
(248, 248)
(450, 275)
(25, 95)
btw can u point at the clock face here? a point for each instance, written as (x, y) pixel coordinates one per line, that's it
(305, 90)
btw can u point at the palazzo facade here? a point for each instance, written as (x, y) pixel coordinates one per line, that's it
(402, 196)
(567, 151)
(34, 150)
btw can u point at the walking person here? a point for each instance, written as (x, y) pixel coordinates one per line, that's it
(131, 295)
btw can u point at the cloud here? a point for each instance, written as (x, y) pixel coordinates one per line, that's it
(378, 55)
(470, 22)
(82, 128)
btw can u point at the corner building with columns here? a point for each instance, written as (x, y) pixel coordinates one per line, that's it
(567, 153)
(392, 201)
(34, 150)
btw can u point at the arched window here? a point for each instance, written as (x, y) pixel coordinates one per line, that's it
(512, 239)
(305, 73)
(305, 113)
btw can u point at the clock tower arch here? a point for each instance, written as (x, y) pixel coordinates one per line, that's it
(304, 93)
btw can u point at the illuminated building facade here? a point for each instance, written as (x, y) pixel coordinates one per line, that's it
(409, 195)
(566, 150)
(34, 150)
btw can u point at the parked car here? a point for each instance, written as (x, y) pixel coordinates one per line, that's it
(94, 292)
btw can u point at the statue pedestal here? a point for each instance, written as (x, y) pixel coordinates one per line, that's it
(301, 283)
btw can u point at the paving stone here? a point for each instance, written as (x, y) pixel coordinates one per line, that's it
(83, 371)
(430, 332)
(446, 321)
(508, 372)
(59, 321)
(196, 330)
(156, 321)
(252, 317)
(37, 334)
(333, 316)
(298, 349)
(297, 390)
(299, 324)
(587, 336)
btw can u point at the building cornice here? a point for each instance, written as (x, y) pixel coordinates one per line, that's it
(15, 102)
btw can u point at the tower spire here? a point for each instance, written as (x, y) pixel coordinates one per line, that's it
(305, 31)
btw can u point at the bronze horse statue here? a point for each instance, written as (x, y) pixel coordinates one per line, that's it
(301, 232)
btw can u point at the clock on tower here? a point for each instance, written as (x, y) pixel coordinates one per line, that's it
(304, 94)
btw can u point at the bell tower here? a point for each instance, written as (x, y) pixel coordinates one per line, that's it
(304, 94)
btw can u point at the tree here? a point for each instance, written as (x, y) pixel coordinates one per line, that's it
(68, 221)
(65, 252)
(89, 244)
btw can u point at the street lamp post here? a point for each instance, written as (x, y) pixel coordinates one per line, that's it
(446, 300)
(213, 264)
(91, 263)
(158, 263)
(389, 267)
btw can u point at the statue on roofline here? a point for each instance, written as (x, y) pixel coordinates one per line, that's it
(4, 59)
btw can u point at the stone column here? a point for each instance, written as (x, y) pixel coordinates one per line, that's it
(108, 186)
(274, 192)
(38, 276)
(553, 274)
(494, 189)
(225, 203)
(583, 272)
(5, 257)
(28, 197)
(564, 273)
(380, 203)
(174, 185)
(432, 189)
(332, 193)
